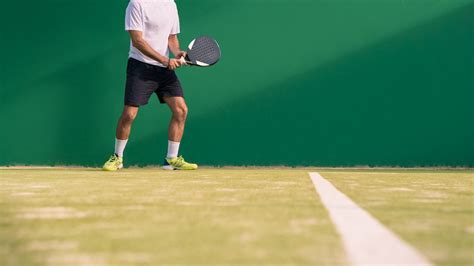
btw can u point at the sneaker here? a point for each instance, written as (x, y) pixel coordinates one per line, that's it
(113, 164)
(178, 163)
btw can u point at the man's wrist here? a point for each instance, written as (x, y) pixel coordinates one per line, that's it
(165, 60)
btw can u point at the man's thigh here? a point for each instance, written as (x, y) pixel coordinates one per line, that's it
(140, 83)
(175, 103)
(169, 86)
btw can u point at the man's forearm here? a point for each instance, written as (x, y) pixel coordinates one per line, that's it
(173, 44)
(147, 50)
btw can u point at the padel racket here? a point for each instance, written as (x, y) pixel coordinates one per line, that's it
(203, 51)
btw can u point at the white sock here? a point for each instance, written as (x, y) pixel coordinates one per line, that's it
(120, 146)
(173, 149)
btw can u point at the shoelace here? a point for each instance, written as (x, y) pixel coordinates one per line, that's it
(113, 158)
(180, 161)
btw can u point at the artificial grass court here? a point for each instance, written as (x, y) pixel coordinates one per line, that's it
(222, 216)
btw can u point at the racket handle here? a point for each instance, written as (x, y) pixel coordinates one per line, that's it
(183, 61)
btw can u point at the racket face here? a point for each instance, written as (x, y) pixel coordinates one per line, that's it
(204, 51)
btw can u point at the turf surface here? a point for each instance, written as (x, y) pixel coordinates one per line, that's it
(156, 217)
(221, 216)
(434, 211)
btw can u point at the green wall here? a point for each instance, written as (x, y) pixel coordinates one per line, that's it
(301, 82)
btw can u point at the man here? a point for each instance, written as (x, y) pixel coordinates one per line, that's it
(153, 26)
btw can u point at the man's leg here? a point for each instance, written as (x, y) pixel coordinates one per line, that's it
(122, 133)
(179, 112)
(125, 122)
(124, 127)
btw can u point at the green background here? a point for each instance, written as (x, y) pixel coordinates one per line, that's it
(301, 82)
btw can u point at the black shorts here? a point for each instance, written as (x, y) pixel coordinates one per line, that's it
(144, 79)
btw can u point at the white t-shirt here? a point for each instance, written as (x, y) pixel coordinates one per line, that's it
(157, 19)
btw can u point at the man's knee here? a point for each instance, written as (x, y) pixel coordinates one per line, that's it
(180, 113)
(128, 117)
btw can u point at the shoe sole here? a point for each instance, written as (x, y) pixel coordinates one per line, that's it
(168, 167)
(111, 170)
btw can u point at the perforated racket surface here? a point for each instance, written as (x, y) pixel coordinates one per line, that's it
(203, 51)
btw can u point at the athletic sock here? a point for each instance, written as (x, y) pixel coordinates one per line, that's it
(173, 149)
(120, 146)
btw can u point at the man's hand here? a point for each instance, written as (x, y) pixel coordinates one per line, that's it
(174, 64)
(180, 54)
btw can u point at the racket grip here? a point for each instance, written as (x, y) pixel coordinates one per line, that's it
(182, 60)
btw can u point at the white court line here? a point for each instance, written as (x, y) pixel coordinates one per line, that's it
(366, 240)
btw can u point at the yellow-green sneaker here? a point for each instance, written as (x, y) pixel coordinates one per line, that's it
(113, 164)
(178, 163)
